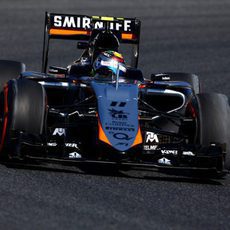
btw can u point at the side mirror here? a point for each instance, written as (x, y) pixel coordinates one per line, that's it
(57, 70)
(82, 45)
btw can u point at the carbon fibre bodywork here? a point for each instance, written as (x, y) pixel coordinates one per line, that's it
(151, 123)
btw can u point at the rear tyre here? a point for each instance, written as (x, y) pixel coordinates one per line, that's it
(10, 70)
(23, 104)
(214, 122)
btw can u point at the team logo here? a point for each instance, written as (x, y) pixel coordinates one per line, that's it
(151, 138)
(59, 132)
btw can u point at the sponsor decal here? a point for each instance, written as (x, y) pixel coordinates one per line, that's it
(71, 22)
(79, 22)
(119, 129)
(58, 84)
(121, 136)
(59, 131)
(71, 145)
(107, 54)
(151, 137)
(119, 123)
(164, 78)
(188, 153)
(119, 104)
(149, 147)
(151, 140)
(164, 161)
(74, 155)
(118, 114)
(52, 144)
(169, 152)
(113, 64)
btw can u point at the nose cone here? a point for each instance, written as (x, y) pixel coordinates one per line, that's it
(118, 114)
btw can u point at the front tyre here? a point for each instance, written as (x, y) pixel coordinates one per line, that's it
(214, 122)
(23, 104)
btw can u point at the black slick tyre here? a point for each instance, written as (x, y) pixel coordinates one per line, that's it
(214, 122)
(10, 70)
(23, 104)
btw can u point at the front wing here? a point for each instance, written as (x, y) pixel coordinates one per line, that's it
(165, 157)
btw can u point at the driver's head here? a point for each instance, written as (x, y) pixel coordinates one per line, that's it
(108, 65)
(103, 41)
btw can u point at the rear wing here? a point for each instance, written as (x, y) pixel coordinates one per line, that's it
(81, 27)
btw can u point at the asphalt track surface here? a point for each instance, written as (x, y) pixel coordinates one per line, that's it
(189, 36)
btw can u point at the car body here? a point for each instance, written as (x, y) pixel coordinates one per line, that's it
(160, 122)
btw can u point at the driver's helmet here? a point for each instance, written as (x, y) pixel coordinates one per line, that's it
(108, 65)
(103, 41)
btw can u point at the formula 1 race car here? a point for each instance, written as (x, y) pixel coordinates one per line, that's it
(79, 114)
